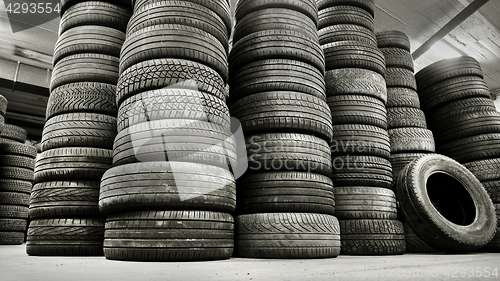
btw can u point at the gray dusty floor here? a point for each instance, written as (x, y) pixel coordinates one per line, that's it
(16, 265)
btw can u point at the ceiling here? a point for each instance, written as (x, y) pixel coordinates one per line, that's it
(478, 36)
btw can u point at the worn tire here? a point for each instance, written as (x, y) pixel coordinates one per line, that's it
(173, 73)
(400, 78)
(359, 202)
(72, 164)
(10, 185)
(11, 238)
(411, 140)
(465, 221)
(361, 171)
(16, 173)
(17, 161)
(393, 39)
(354, 54)
(285, 192)
(287, 236)
(493, 189)
(346, 32)
(364, 140)
(13, 132)
(14, 198)
(357, 109)
(372, 237)
(13, 225)
(64, 199)
(400, 160)
(368, 5)
(292, 152)
(284, 111)
(402, 97)
(169, 236)
(167, 186)
(355, 81)
(65, 237)
(336, 15)
(398, 58)
(480, 147)
(485, 170)
(307, 7)
(399, 117)
(84, 97)
(79, 130)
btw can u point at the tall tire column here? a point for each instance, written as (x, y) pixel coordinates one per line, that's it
(17, 163)
(170, 193)
(464, 120)
(357, 94)
(285, 200)
(80, 127)
(406, 124)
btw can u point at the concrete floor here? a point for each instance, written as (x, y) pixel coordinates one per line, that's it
(16, 265)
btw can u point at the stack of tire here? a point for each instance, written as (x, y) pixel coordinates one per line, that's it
(17, 162)
(170, 193)
(285, 200)
(406, 124)
(356, 95)
(464, 120)
(77, 139)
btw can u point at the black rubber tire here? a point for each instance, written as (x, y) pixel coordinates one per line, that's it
(174, 41)
(13, 132)
(493, 189)
(179, 12)
(17, 161)
(85, 67)
(335, 15)
(16, 173)
(277, 75)
(10, 185)
(368, 5)
(13, 225)
(398, 58)
(95, 13)
(364, 140)
(361, 171)
(402, 97)
(288, 152)
(356, 81)
(466, 125)
(14, 148)
(346, 32)
(80, 130)
(172, 104)
(169, 236)
(172, 73)
(84, 97)
(485, 170)
(14, 198)
(287, 236)
(176, 140)
(65, 199)
(354, 54)
(276, 44)
(296, 192)
(399, 117)
(65, 4)
(372, 237)
(88, 39)
(72, 163)
(414, 244)
(465, 221)
(275, 18)
(393, 39)
(400, 78)
(284, 111)
(461, 107)
(359, 202)
(357, 109)
(411, 140)
(480, 147)
(400, 160)
(11, 238)
(307, 7)
(3, 105)
(65, 237)
(167, 186)
(446, 70)
(13, 211)
(452, 90)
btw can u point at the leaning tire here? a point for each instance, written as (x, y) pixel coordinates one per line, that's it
(466, 220)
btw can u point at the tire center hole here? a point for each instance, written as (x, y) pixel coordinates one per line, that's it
(451, 199)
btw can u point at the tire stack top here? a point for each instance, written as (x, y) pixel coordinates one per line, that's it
(285, 201)
(17, 161)
(464, 119)
(357, 95)
(407, 125)
(77, 139)
(170, 193)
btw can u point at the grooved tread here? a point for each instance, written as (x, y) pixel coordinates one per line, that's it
(355, 81)
(411, 140)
